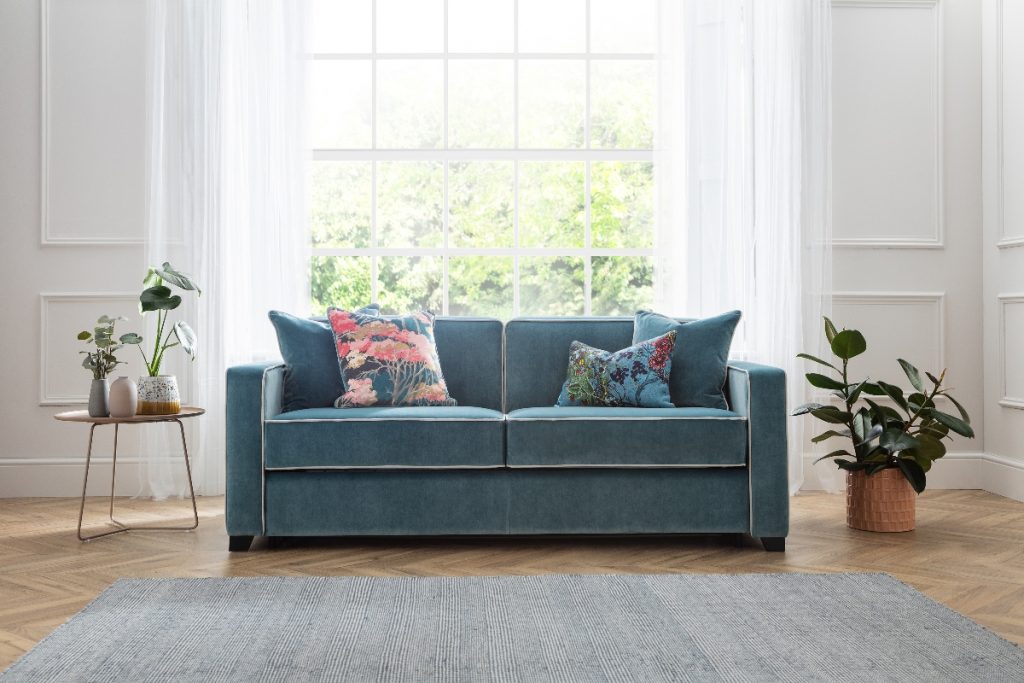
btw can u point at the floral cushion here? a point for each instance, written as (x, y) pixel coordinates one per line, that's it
(388, 361)
(635, 377)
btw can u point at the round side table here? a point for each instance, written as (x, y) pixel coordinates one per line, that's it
(83, 416)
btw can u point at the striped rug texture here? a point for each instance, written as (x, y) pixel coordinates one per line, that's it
(753, 627)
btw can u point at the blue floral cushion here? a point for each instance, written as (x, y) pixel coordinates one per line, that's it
(388, 361)
(633, 377)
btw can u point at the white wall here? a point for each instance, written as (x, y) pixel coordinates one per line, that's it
(912, 270)
(77, 233)
(1003, 243)
(907, 198)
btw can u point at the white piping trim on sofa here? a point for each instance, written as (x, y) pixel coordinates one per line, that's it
(616, 419)
(631, 466)
(263, 446)
(750, 447)
(371, 468)
(389, 419)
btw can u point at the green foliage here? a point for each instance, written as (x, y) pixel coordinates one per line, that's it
(159, 297)
(102, 361)
(909, 437)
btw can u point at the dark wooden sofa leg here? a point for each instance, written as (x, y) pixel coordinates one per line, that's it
(774, 544)
(239, 544)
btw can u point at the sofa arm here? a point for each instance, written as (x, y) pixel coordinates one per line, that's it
(253, 392)
(758, 392)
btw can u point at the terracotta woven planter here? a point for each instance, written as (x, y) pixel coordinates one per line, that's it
(882, 502)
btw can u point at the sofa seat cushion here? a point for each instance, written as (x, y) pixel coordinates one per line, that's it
(384, 437)
(626, 437)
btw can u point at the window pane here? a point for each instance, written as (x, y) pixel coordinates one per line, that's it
(546, 26)
(551, 103)
(550, 285)
(340, 103)
(480, 26)
(621, 285)
(410, 104)
(480, 194)
(409, 283)
(340, 206)
(410, 26)
(551, 210)
(616, 26)
(342, 281)
(410, 199)
(621, 204)
(480, 285)
(622, 104)
(480, 104)
(340, 26)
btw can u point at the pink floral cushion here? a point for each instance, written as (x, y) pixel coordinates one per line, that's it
(388, 361)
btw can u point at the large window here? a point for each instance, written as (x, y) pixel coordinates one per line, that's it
(483, 157)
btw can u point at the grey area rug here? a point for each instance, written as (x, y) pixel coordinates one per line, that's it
(753, 627)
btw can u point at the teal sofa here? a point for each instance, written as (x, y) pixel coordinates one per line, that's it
(505, 461)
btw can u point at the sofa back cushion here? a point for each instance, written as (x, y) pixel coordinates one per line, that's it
(471, 360)
(537, 353)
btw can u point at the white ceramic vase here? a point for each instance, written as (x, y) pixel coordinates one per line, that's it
(159, 395)
(124, 398)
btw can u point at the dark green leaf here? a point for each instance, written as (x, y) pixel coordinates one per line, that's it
(158, 298)
(872, 434)
(849, 343)
(808, 356)
(913, 472)
(935, 380)
(84, 336)
(963, 413)
(929, 447)
(895, 393)
(872, 389)
(954, 423)
(895, 440)
(831, 414)
(833, 454)
(912, 373)
(830, 330)
(823, 381)
(851, 466)
(829, 434)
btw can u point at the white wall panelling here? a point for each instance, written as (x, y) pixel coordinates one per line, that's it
(92, 106)
(62, 379)
(1011, 352)
(888, 151)
(910, 325)
(1009, 127)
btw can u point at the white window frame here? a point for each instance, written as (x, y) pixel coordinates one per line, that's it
(585, 154)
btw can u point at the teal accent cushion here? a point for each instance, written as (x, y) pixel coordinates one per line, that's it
(699, 358)
(636, 376)
(388, 360)
(312, 378)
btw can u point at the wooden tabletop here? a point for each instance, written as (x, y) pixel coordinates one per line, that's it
(83, 416)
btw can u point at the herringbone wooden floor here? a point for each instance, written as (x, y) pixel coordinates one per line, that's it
(967, 552)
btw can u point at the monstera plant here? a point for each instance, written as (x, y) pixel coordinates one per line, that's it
(884, 427)
(158, 297)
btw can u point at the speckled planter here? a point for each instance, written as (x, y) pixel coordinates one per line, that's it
(159, 395)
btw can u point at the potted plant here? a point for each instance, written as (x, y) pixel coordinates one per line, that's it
(158, 394)
(102, 361)
(891, 447)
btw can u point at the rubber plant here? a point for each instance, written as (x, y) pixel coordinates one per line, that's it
(159, 297)
(908, 434)
(102, 361)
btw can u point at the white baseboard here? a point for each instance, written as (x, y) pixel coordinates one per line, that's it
(1003, 475)
(62, 477)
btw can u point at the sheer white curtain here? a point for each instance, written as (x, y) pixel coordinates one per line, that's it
(227, 168)
(742, 173)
